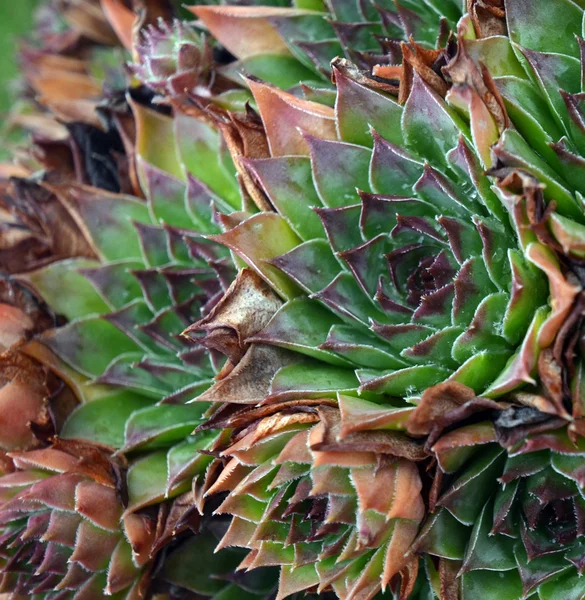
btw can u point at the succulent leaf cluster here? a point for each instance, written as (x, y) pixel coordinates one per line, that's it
(299, 297)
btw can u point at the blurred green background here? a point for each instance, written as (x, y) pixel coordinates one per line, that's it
(16, 18)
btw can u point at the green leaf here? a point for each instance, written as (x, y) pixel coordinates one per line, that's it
(514, 149)
(540, 569)
(299, 264)
(115, 283)
(570, 586)
(481, 369)
(467, 495)
(545, 26)
(108, 218)
(147, 482)
(279, 70)
(89, 346)
(359, 109)
(444, 536)
(16, 20)
(402, 382)
(529, 293)
(156, 143)
(161, 426)
(430, 127)
(338, 170)
(166, 197)
(392, 169)
(571, 235)
(530, 114)
(103, 420)
(301, 325)
(481, 333)
(485, 551)
(552, 73)
(288, 183)
(497, 52)
(490, 585)
(185, 461)
(313, 380)
(362, 348)
(66, 291)
(259, 239)
(180, 568)
(200, 152)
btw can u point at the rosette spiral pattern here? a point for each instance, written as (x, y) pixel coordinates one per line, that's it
(396, 259)
(405, 258)
(121, 350)
(527, 535)
(62, 535)
(334, 516)
(507, 521)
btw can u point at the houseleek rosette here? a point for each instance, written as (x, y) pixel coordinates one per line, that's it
(403, 261)
(61, 527)
(526, 533)
(403, 372)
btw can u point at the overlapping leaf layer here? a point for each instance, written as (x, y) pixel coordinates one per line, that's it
(379, 259)
(402, 263)
(286, 43)
(62, 534)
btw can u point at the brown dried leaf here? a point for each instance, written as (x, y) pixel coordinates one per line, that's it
(244, 310)
(381, 442)
(435, 403)
(249, 382)
(245, 138)
(488, 17)
(23, 400)
(44, 228)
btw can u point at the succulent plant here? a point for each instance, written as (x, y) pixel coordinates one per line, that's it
(121, 351)
(68, 533)
(136, 271)
(174, 59)
(506, 501)
(525, 532)
(336, 302)
(423, 242)
(386, 293)
(61, 538)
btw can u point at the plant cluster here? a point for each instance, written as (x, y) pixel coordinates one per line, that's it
(291, 302)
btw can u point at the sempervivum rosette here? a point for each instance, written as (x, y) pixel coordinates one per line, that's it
(174, 59)
(506, 505)
(61, 534)
(121, 350)
(538, 166)
(68, 532)
(401, 405)
(400, 266)
(130, 274)
(527, 532)
(396, 260)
